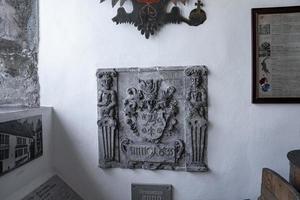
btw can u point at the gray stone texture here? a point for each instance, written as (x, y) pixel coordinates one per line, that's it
(153, 118)
(19, 39)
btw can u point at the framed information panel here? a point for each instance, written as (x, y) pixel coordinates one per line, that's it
(276, 55)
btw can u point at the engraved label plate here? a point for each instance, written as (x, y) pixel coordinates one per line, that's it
(54, 188)
(153, 118)
(151, 192)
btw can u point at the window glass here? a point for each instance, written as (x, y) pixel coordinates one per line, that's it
(18, 153)
(6, 154)
(7, 139)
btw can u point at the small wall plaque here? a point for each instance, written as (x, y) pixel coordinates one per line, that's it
(55, 188)
(151, 192)
(153, 118)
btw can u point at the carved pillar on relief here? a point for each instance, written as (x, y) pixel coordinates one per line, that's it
(108, 128)
(197, 118)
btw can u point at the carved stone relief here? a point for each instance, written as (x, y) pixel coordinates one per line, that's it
(107, 111)
(153, 118)
(196, 103)
(19, 85)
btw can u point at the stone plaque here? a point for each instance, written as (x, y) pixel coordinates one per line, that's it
(19, 39)
(153, 118)
(21, 141)
(151, 192)
(53, 189)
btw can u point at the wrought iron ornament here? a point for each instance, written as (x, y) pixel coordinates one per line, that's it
(149, 15)
(153, 118)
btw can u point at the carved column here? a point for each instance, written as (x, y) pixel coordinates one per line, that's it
(196, 111)
(108, 118)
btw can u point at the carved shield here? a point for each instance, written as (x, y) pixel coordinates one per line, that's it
(151, 125)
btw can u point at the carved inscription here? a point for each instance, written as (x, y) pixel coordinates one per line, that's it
(153, 153)
(151, 120)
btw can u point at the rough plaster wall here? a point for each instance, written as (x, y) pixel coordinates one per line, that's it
(19, 85)
(77, 37)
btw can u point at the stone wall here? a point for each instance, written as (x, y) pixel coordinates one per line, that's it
(19, 85)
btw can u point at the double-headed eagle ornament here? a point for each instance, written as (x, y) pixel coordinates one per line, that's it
(149, 15)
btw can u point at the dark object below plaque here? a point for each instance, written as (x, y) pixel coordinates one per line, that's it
(151, 192)
(55, 188)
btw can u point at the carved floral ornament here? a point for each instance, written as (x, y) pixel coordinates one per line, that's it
(153, 118)
(149, 15)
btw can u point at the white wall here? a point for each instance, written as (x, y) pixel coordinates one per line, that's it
(78, 36)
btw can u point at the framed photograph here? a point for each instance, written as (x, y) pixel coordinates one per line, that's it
(21, 141)
(276, 55)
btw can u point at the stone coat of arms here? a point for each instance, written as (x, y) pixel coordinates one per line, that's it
(151, 112)
(153, 118)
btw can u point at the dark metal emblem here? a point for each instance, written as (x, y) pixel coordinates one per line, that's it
(149, 15)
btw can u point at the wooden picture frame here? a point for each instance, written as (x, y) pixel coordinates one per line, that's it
(276, 55)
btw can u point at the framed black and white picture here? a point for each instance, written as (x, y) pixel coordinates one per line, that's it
(21, 141)
(276, 55)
